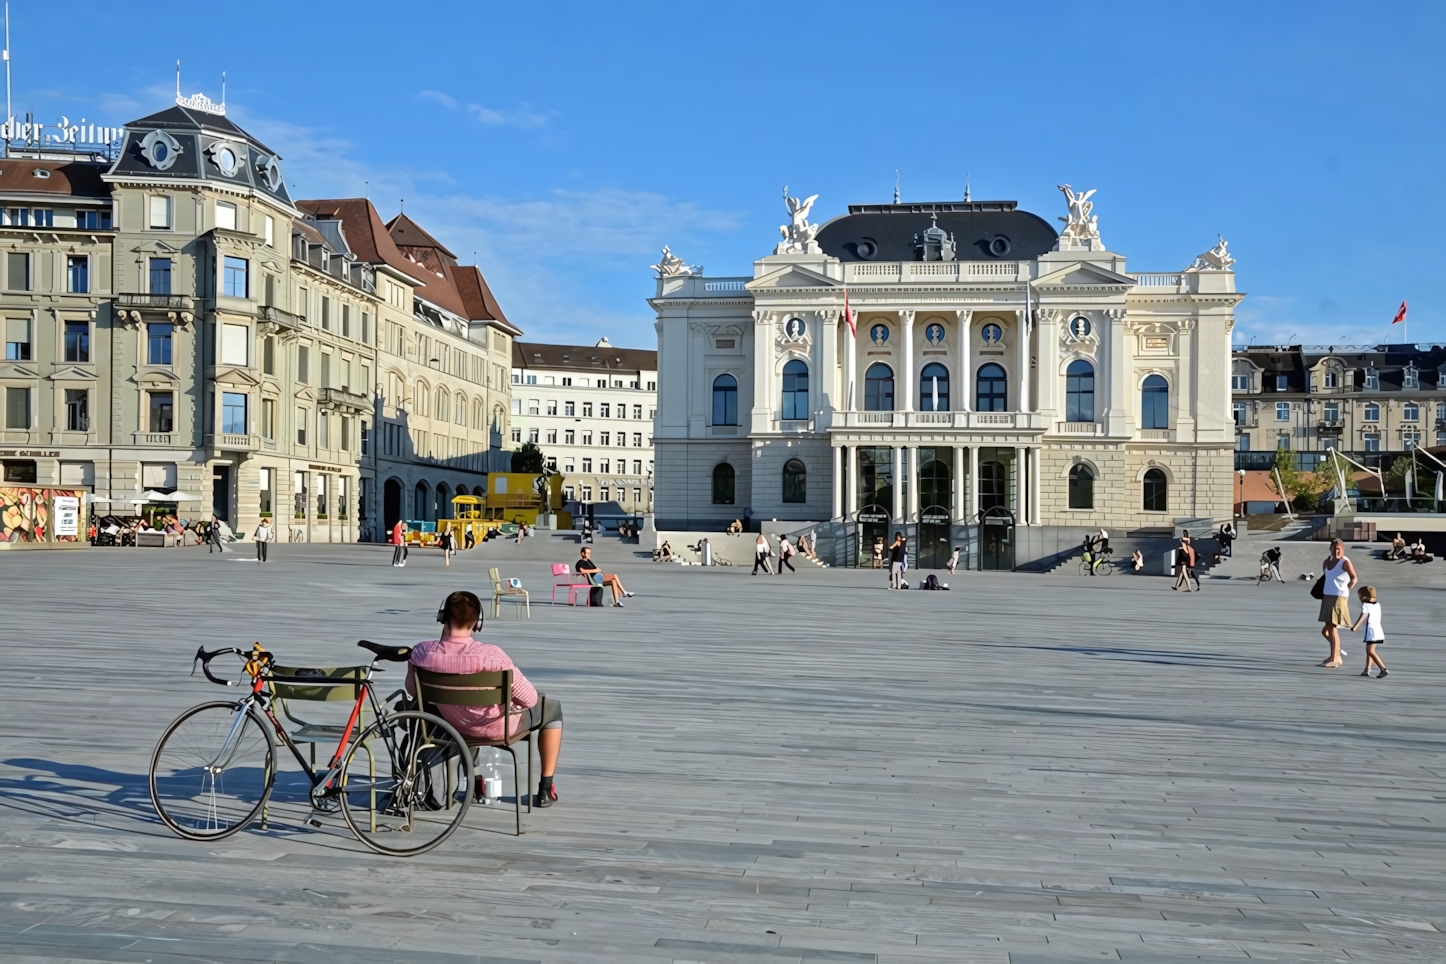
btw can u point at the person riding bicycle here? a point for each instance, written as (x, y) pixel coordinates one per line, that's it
(458, 652)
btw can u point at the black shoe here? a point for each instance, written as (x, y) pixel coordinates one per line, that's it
(1367, 674)
(1382, 674)
(540, 799)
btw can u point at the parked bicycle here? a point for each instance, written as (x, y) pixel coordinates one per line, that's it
(1096, 563)
(214, 768)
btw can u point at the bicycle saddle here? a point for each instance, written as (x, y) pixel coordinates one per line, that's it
(394, 654)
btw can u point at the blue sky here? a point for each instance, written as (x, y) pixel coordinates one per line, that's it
(565, 143)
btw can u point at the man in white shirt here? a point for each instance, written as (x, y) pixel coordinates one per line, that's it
(263, 540)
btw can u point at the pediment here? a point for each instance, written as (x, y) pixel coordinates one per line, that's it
(305, 395)
(1084, 274)
(71, 373)
(237, 376)
(18, 371)
(793, 276)
(156, 247)
(156, 378)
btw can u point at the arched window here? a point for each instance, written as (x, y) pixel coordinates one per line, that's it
(459, 410)
(444, 504)
(722, 484)
(1156, 491)
(795, 481)
(934, 388)
(1079, 394)
(479, 414)
(879, 388)
(1081, 487)
(795, 390)
(993, 485)
(441, 411)
(991, 391)
(394, 389)
(498, 416)
(420, 396)
(421, 502)
(725, 406)
(1155, 403)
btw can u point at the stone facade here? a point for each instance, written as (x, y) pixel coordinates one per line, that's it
(994, 359)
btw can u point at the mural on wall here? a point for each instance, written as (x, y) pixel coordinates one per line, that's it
(25, 514)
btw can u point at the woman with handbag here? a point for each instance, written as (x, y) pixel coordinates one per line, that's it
(1333, 589)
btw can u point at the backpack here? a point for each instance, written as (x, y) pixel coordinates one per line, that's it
(930, 582)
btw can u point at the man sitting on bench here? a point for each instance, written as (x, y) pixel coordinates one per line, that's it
(588, 570)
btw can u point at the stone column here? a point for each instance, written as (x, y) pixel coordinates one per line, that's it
(838, 483)
(764, 398)
(906, 322)
(851, 481)
(896, 511)
(963, 382)
(823, 387)
(958, 511)
(1022, 334)
(847, 391)
(1117, 409)
(1020, 453)
(913, 503)
(1034, 480)
(973, 507)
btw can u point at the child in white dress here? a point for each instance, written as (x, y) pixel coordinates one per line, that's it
(1375, 635)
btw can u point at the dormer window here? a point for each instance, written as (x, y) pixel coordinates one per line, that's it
(1331, 379)
(934, 243)
(1282, 383)
(1373, 380)
(1411, 378)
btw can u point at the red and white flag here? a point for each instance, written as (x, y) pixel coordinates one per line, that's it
(1400, 313)
(849, 315)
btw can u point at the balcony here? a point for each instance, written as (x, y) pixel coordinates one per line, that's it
(931, 272)
(226, 442)
(1329, 429)
(159, 302)
(340, 398)
(936, 421)
(163, 439)
(283, 320)
(1079, 428)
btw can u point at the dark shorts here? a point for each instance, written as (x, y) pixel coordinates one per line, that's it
(535, 718)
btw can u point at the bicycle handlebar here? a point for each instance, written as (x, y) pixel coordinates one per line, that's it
(203, 659)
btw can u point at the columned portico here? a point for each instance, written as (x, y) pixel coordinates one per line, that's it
(973, 484)
(897, 509)
(906, 365)
(959, 511)
(839, 489)
(1019, 485)
(913, 485)
(962, 387)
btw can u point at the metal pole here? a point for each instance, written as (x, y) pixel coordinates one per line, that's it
(9, 111)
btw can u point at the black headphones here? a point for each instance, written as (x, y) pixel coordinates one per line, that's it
(442, 616)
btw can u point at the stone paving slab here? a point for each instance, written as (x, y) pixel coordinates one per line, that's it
(756, 769)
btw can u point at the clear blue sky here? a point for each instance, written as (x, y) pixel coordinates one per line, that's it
(565, 143)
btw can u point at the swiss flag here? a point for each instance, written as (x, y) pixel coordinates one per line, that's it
(849, 315)
(1400, 312)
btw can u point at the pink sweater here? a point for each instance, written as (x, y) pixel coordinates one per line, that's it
(467, 655)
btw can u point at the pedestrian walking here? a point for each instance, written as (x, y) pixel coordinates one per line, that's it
(1338, 578)
(215, 544)
(761, 552)
(399, 539)
(898, 556)
(1375, 635)
(785, 552)
(953, 561)
(449, 545)
(262, 535)
(878, 552)
(1185, 565)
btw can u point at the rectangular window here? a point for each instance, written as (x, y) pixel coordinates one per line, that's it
(1371, 413)
(604, 438)
(1330, 379)
(270, 231)
(587, 465)
(326, 312)
(1282, 411)
(19, 218)
(586, 492)
(160, 276)
(532, 406)
(1373, 380)
(1372, 442)
(303, 302)
(567, 381)
(235, 340)
(552, 406)
(552, 436)
(17, 408)
(587, 409)
(234, 277)
(1239, 383)
(325, 369)
(160, 213)
(638, 412)
(233, 413)
(532, 435)
(77, 274)
(346, 321)
(604, 466)
(323, 430)
(92, 220)
(44, 218)
(1283, 442)
(1410, 439)
(604, 410)
(1410, 378)
(264, 482)
(1410, 412)
(77, 410)
(366, 438)
(366, 328)
(1332, 414)
(268, 419)
(17, 271)
(17, 339)
(516, 434)
(517, 406)
(301, 415)
(652, 386)
(569, 437)
(1239, 411)
(268, 355)
(77, 341)
(226, 215)
(1282, 383)
(303, 364)
(569, 409)
(586, 438)
(162, 412)
(602, 494)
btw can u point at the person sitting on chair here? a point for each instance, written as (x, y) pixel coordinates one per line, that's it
(588, 570)
(458, 652)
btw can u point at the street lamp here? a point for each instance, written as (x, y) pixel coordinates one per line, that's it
(1241, 501)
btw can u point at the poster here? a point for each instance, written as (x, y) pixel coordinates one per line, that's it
(67, 515)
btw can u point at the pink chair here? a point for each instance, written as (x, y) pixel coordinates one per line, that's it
(563, 578)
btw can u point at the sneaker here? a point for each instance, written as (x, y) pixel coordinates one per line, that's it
(1367, 674)
(1382, 674)
(629, 595)
(618, 604)
(540, 799)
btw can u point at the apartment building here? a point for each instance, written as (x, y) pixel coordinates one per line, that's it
(590, 408)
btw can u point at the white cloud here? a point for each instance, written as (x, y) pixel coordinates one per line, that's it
(524, 117)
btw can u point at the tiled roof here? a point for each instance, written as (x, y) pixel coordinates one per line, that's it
(67, 178)
(583, 358)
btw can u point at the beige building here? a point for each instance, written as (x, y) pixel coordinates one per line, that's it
(174, 321)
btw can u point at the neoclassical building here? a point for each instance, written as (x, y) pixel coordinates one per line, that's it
(1007, 386)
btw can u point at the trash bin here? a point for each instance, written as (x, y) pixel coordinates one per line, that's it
(1168, 562)
(707, 552)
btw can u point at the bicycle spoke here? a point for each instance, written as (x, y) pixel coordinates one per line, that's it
(212, 771)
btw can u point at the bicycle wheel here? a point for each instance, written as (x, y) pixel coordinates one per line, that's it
(397, 787)
(1084, 568)
(212, 770)
(1105, 568)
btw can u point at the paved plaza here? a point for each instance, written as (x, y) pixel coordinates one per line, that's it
(761, 770)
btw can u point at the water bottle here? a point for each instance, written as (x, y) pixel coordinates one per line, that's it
(492, 777)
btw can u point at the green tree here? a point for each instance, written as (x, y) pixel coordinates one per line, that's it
(1302, 489)
(528, 458)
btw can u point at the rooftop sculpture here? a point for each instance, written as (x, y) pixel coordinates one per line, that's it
(798, 234)
(1081, 228)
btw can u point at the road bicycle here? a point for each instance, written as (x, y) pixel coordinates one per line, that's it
(214, 769)
(1096, 565)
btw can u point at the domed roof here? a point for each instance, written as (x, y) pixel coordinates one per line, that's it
(982, 231)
